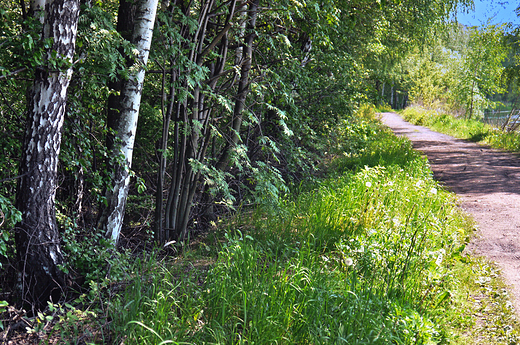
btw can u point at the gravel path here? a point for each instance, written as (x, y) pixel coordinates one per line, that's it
(487, 183)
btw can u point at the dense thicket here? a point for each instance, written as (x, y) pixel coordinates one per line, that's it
(236, 106)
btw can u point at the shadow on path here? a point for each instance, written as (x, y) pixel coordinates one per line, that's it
(463, 166)
(487, 183)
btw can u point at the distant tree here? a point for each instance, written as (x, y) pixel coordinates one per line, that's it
(481, 70)
(461, 71)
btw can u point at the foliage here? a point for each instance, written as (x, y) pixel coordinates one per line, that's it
(364, 143)
(315, 65)
(312, 61)
(482, 70)
(465, 129)
(473, 130)
(371, 255)
(9, 216)
(459, 71)
(90, 258)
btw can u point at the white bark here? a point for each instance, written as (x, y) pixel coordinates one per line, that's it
(38, 9)
(392, 96)
(37, 5)
(129, 112)
(37, 237)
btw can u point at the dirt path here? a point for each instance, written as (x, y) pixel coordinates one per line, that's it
(487, 182)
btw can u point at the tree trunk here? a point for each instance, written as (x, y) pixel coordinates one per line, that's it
(392, 96)
(37, 237)
(167, 114)
(243, 86)
(192, 118)
(471, 102)
(123, 121)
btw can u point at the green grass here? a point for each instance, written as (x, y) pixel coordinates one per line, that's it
(473, 130)
(371, 255)
(486, 314)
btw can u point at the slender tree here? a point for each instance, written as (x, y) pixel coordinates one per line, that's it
(37, 237)
(206, 47)
(245, 57)
(124, 110)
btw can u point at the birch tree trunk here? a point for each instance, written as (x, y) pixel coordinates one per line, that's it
(124, 121)
(392, 96)
(37, 237)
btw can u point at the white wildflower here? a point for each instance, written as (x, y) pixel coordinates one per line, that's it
(438, 262)
(433, 191)
(360, 250)
(368, 184)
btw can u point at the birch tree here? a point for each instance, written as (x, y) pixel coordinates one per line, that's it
(37, 237)
(125, 111)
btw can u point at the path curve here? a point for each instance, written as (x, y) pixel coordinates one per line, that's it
(487, 182)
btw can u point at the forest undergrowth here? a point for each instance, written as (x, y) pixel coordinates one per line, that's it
(371, 254)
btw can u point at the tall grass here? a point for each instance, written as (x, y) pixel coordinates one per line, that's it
(364, 258)
(471, 129)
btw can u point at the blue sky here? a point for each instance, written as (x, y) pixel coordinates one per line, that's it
(498, 11)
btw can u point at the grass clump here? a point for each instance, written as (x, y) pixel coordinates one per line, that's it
(383, 107)
(473, 130)
(371, 255)
(485, 315)
(469, 129)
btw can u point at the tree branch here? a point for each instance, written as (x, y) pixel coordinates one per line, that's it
(13, 73)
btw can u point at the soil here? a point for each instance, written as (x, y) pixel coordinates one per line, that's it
(487, 183)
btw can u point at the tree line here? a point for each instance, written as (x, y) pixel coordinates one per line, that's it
(157, 117)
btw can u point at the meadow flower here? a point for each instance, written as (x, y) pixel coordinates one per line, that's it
(368, 184)
(433, 191)
(440, 257)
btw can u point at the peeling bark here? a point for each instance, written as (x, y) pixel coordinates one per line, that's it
(37, 237)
